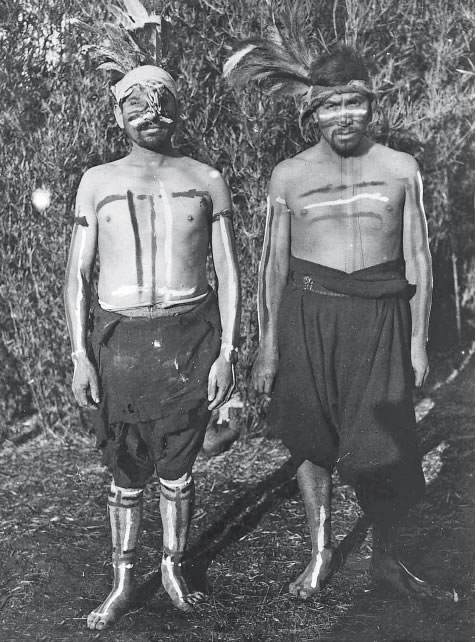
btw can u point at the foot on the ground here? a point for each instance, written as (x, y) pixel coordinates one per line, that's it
(218, 438)
(316, 573)
(391, 573)
(176, 587)
(114, 606)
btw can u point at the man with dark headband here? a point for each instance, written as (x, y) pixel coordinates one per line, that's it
(344, 299)
(161, 352)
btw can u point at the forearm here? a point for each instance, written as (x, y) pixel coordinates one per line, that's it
(272, 280)
(420, 304)
(77, 304)
(229, 302)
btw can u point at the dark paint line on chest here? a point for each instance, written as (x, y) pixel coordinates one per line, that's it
(353, 215)
(110, 199)
(191, 193)
(135, 229)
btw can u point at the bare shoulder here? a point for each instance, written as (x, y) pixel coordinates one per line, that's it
(285, 171)
(400, 164)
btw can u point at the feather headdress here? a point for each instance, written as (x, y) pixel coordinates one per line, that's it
(285, 63)
(135, 39)
(280, 62)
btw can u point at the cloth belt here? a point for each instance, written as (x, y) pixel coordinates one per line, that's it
(307, 283)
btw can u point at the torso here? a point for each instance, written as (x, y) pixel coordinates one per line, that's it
(347, 214)
(153, 233)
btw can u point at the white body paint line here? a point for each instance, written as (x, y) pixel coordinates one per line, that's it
(315, 572)
(227, 333)
(170, 567)
(80, 294)
(343, 113)
(342, 201)
(420, 190)
(168, 235)
(280, 200)
(321, 542)
(262, 266)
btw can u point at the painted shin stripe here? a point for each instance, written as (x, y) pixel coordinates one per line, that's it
(262, 270)
(227, 334)
(343, 201)
(170, 567)
(135, 228)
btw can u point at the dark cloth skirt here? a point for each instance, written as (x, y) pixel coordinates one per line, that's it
(153, 377)
(343, 393)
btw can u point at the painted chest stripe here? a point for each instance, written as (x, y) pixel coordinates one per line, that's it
(138, 248)
(343, 201)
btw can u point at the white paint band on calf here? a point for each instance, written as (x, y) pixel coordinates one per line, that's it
(174, 484)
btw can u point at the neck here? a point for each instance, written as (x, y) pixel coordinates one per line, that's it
(361, 150)
(156, 156)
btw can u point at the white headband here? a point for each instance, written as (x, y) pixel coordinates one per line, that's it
(145, 75)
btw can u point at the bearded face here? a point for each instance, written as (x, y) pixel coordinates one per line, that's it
(343, 120)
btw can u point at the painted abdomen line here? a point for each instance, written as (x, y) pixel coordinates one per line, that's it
(135, 229)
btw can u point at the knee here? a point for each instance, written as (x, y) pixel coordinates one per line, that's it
(180, 484)
(117, 492)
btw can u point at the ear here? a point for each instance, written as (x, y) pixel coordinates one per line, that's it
(118, 116)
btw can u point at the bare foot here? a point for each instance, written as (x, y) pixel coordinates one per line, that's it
(114, 606)
(390, 572)
(316, 572)
(175, 585)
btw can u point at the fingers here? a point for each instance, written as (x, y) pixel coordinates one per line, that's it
(94, 389)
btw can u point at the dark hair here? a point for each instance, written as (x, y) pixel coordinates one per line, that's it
(338, 67)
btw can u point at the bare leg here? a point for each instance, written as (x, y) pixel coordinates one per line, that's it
(387, 570)
(176, 504)
(125, 514)
(315, 484)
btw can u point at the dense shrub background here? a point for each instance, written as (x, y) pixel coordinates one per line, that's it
(56, 121)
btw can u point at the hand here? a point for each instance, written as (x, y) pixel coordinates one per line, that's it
(264, 371)
(419, 362)
(221, 382)
(85, 383)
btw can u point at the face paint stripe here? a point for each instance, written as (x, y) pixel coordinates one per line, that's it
(135, 228)
(110, 199)
(343, 201)
(153, 246)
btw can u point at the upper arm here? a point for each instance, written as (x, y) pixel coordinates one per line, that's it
(415, 228)
(84, 238)
(277, 241)
(221, 217)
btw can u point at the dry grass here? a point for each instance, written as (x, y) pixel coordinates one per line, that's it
(249, 536)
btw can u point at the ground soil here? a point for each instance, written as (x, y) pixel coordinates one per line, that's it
(249, 535)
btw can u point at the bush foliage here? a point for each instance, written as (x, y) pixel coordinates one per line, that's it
(56, 121)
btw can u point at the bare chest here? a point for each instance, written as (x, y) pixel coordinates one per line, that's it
(151, 211)
(335, 203)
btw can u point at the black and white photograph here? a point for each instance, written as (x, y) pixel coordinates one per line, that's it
(237, 321)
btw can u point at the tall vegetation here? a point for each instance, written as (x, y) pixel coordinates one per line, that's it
(56, 121)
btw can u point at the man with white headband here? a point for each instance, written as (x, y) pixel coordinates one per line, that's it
(155, 356)
(342, 332)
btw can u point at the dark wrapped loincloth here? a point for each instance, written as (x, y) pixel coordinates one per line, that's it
(153, 374)
(343, 393)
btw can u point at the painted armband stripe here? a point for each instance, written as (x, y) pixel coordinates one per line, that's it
(223, 214)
